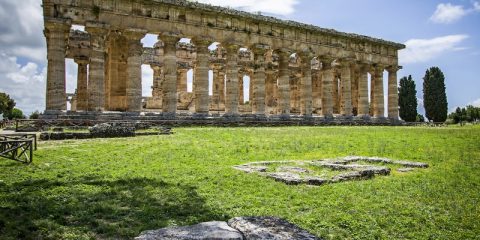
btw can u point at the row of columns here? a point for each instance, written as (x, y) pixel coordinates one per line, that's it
(93, 85)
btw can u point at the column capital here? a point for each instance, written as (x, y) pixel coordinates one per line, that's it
(96, 28)
(156, 67)
(202, 41)
(259, 48)
(134, 34)
(169, 37)
(57, 24)
(285, 52)
(232, 48)
(81, 60)
(393, 68)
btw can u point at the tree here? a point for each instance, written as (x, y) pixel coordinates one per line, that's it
(407, 99)
(434, 96)
(420, 118)
(6, 104)
(34, 115)
(16, 114)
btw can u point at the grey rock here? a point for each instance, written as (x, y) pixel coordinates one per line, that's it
(269, 228)
(251, 169)
(411, 164)
(405, 169)
(292, 169)
(317, 181)
(286, 177)
(203, 231)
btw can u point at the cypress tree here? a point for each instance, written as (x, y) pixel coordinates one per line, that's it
(434, 96)
(407, 99)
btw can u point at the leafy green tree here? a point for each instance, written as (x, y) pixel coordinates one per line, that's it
(16, 114)
(6, 104)
(435, 98)
(420, 118)
(34, 115)
(407, 99)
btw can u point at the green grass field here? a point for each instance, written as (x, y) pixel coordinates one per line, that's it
(116, 188)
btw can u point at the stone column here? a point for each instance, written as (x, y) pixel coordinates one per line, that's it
(327, 91)
(201, 76)
(56, 32)
(346, 88)
(231, 97)
(335, 92)
(306, 85)
(157, 87)
(363, 107)
(378, 107)
(169, 100)
(82, 84)
(270, 86)
(96, 78)
(257, 84)
(241, 87)
(134, 69)
(392, 92)
(284, 83)
(182, 81)
(218, 93)
(354, 78)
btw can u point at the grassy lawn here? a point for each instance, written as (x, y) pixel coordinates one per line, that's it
(117, 188)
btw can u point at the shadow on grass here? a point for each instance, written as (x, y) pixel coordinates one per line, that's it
(90, 207)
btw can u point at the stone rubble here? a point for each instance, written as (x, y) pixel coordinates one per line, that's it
(291, 174)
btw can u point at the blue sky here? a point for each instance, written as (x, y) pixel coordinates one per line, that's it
(437, 33)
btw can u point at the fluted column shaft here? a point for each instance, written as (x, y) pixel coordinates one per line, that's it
(218, 88)
(134, 70)
(327, 84)
(182, 81)
(56, 33)
(231, 97)
(270, 86)
(346, 89)
(241, 94)
(363, 107)
(392, 92)
(259, 79)
(82, 84)
(378, 108)
(201, 76)
(284, 84)
(169, 100)
(96, 78)
(306, 87)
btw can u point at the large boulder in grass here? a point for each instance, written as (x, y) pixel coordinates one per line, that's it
(203, 231)
(108, 130)
(269, 228)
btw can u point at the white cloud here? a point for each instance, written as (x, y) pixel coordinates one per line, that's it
(283, 7)
(475, 103)
(25, 84)
(448, 13)
(476, 6)
(422, 50)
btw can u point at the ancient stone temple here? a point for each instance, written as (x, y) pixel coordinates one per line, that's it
(294, 69)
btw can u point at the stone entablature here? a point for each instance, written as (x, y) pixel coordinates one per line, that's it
(293, 67)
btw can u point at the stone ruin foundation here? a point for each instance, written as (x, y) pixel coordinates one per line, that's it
(319, 172)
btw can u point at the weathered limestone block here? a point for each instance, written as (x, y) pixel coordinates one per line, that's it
(96, 80)
(202, 231)
(286, 177)
(269, 228)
